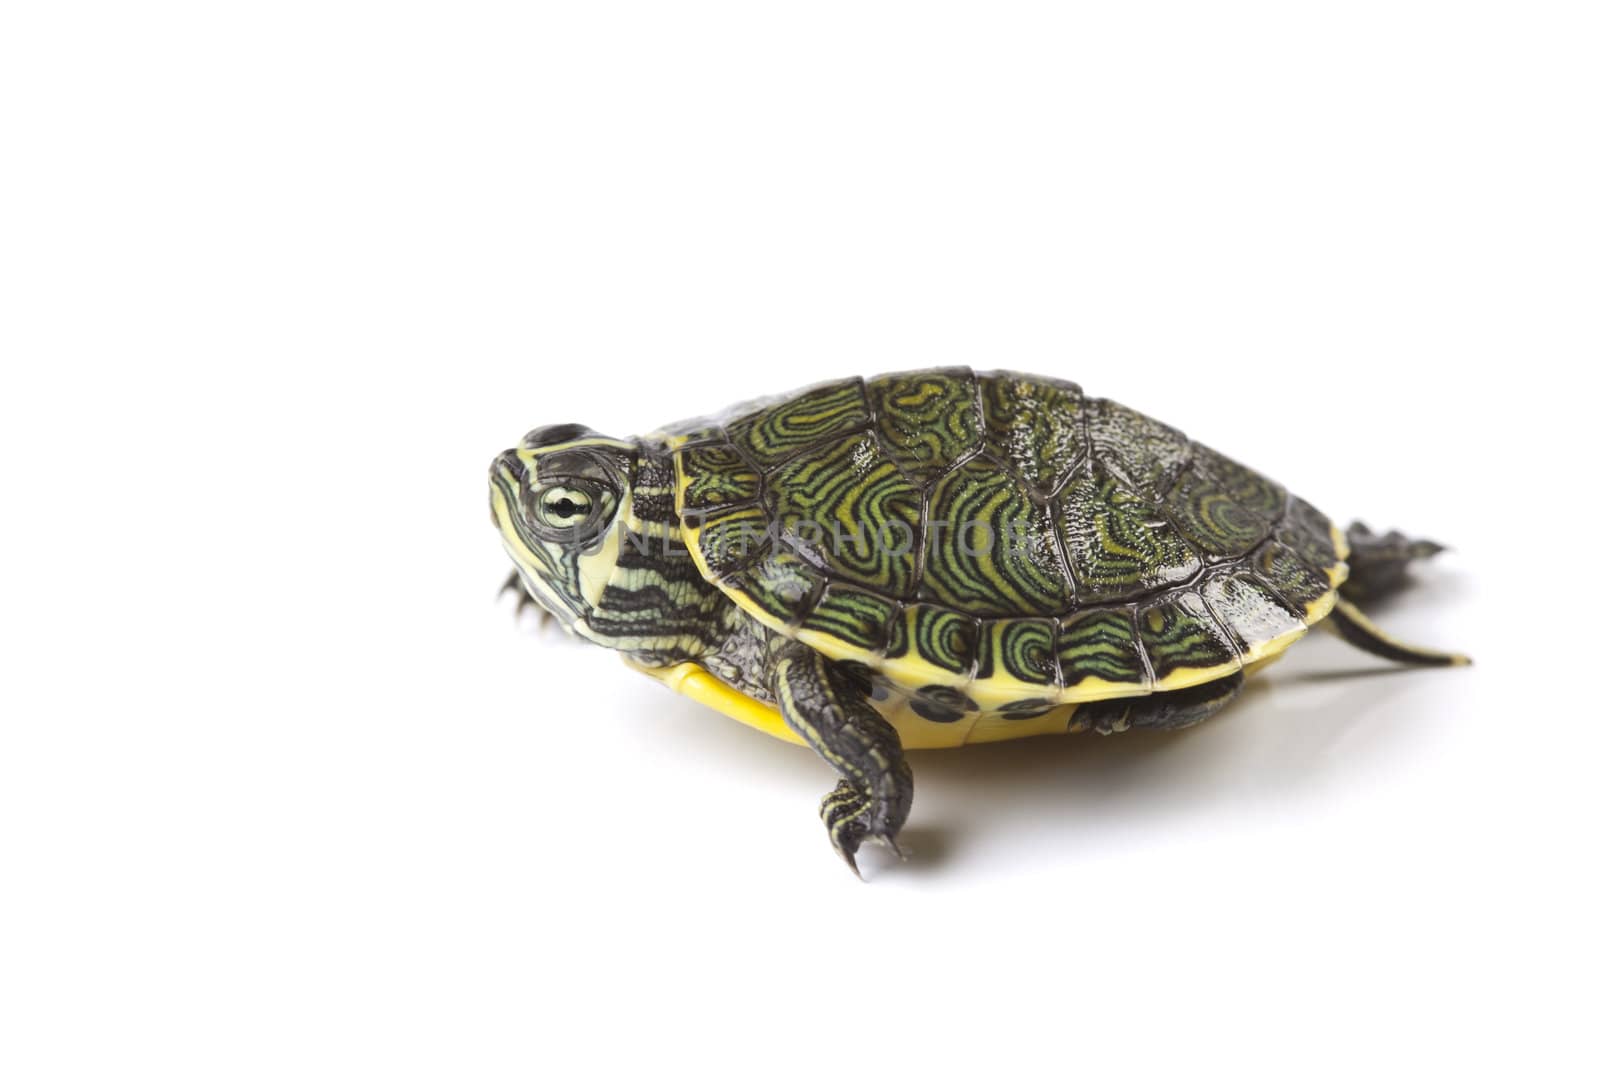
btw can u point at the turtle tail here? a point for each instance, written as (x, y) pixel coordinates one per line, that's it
(1352, 624)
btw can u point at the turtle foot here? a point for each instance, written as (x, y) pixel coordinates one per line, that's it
(847, 813)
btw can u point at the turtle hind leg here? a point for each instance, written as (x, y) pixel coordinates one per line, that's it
(827, 706)
(1378, 562)
(1173, 710)
(1352, 624)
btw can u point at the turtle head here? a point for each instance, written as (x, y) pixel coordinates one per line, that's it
(559, 499)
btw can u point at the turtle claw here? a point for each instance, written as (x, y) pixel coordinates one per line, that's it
(848, 854)
(850, 861)
(892, 845)
(513, 584)
(843, 812)
(513, 581)
(847, 815)
(525, 603)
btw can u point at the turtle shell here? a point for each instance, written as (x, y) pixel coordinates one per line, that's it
(999, 540)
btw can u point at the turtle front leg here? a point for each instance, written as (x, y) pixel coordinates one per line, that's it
(828, 707)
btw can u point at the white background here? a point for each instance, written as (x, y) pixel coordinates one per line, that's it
(280, 782)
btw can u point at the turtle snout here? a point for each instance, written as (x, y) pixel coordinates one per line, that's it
(505, 480)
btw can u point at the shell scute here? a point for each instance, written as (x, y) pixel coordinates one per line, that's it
(1213, 521)
(853, 615)
(1253, 491)
(819, 414)
(781, 583)
(729, 540)
(927, 422)
(1035, 426)
(1309, 532)
(1146, 453)
(1101, 645)
(1256, 617)
(942, 703)
(855, 511)
(1119, 546)
(1017, 651)
(716, 476)
(1283, 571)
(989, 546)
(945, 639)
(1180, 635)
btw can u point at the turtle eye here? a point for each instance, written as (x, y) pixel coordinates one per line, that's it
(563, 507)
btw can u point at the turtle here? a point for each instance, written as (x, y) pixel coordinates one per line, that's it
(930, 559)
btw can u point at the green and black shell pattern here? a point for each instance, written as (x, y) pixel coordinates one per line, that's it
(999, 540)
